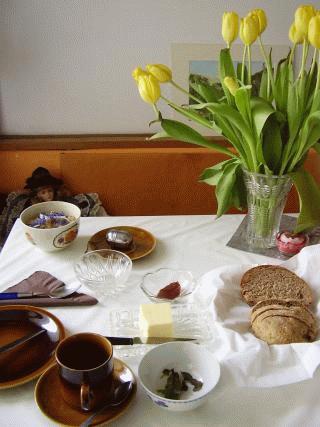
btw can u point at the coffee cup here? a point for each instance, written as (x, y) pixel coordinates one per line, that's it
(85, 363)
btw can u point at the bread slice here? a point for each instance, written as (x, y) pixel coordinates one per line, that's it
(273, 282)
(282, 330)
(296, 312)
(312, 328)
(295, 306)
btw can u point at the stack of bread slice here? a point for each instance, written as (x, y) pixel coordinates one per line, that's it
(280, 301)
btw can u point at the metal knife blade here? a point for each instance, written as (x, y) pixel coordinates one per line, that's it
(145, 340)
(21, 340)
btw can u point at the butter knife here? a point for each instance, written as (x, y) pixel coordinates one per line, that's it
(145, 340)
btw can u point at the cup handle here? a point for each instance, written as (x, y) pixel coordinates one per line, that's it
(85, 397)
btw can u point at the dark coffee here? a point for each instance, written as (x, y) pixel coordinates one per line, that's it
(83, 354)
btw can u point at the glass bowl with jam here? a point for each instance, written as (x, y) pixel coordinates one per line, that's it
(168, 285)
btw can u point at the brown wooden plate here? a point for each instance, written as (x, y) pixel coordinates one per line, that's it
(29, 360)
(143, 241)
(50, 402)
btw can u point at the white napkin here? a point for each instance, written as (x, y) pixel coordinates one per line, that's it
(247, 360)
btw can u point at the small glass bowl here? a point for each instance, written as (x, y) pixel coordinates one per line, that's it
(104, 271)
(153, 282)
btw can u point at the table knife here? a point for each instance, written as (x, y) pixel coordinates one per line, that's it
(21, 340)
(145, 340)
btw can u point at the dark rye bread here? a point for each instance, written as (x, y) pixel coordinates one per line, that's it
(273, 282)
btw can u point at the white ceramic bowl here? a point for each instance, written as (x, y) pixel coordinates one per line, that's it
(51, 239)
(104, 271)
(180, 356)
(156, 280)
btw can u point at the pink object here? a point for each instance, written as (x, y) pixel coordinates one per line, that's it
(289, 243)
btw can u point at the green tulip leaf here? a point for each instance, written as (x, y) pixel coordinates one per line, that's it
(263, 90)
(182, 132)
(159, 135)
(272, 144)
(317, 147)
(224, 188)
(239, 192)
(212, 175)
(242, 99)
(226, 69)
(309, 198)
(260, 110)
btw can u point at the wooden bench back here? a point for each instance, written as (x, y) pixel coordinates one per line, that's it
(151, 181)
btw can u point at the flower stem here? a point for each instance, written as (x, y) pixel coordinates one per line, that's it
(292, 53)
(318, 75)
(249, 65)
(185, 91)
(304, 58)
(243, 64)
(269, 70)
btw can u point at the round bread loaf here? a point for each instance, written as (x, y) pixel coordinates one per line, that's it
(273, 282)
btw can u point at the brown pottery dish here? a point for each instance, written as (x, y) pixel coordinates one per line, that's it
(49, 399)
(30, 359)
(143, 241)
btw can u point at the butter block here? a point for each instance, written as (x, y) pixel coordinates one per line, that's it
(155, 320)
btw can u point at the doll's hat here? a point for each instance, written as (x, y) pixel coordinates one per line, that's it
(41, 177)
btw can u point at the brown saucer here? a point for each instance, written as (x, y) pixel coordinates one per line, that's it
(143, 241)
(29, 360)
(51, 404)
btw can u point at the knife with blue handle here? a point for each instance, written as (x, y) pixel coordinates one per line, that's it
(17, 295)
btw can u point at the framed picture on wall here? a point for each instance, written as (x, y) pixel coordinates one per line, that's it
(191, 60)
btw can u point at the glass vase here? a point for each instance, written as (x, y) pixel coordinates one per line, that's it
(266, 196)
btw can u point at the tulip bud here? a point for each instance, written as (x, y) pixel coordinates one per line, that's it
(260, 14)
(137, 72)
(231, 84)
(149, 88)
(314, 31)
(230, 27)
(161, 72)
(302, 18)
(249, 30)
(294, 35)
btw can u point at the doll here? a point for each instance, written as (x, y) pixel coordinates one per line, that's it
(44, 187)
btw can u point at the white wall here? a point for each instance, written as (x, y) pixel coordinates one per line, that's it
(66, 64)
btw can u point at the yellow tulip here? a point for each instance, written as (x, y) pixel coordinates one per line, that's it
(230, 27)
(302, 18)
(314, 31)
(262, 18)
(294, 35)
(161, 72)
(249, 30)
(231, 84)
(138, 72)
(149, 88)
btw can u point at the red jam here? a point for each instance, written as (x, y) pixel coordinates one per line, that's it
(290, 244)
(170, 291)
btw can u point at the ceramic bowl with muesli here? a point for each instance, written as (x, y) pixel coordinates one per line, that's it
(51, 226)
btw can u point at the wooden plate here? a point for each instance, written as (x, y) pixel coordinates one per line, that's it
(28, 360)
(50, 402)
(143, 241)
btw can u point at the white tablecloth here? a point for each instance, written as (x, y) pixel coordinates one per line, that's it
(196, 243)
